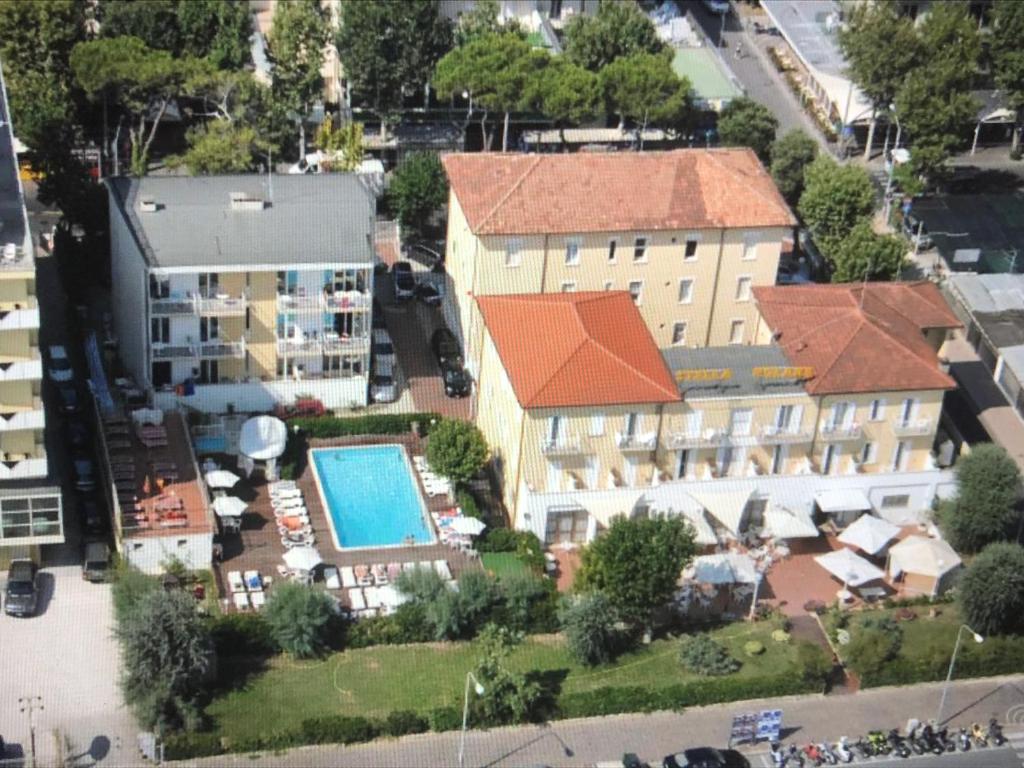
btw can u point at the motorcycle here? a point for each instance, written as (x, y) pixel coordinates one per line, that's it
(899, 746)
(863, 749)
(930, 741)
(963, 740)
(777, 755)
(915, 737)
(811, 750)
(995, 732)
(978, 735)
(827, 755)
(843, 750)
(879, 744)
(795, 756)
(945, 739)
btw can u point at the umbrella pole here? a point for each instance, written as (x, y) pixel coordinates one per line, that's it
(753, 602)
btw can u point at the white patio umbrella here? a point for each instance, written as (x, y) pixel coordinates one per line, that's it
(229, 506)
(869, 534)
(853, 570)
(302, 558)
(221, 478)
(469, 526)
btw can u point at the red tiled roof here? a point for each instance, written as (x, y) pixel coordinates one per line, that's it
(615, 191)
(577, 349)
(857, 337)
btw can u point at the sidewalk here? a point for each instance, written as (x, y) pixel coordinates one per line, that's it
(586, 742)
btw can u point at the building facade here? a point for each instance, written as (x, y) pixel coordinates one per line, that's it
(251, 291)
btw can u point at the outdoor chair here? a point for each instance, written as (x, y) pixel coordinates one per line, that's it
(235, 581)
(259, 599)
(241, 601)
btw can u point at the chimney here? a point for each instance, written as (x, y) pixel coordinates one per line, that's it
(246, 201)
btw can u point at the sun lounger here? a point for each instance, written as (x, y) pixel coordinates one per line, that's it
(280, 514)
(348, 577)
(331, 577)
(380, 574)
(289, 503)
(286, 493)
(406, 567)
(441, 566)
(235, 581)
(425, 565)
(306, 541)
(292, 533)
(372, 597)
(280, 485)
(259, 599)
(394, 570)
(241, 600)
(356, 599)
(293, 522)
(253, 581)
(363, 577)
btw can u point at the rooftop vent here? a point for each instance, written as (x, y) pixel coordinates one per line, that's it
(245, 201)
(148, 205)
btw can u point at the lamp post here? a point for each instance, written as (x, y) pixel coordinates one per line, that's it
(952, 661)
(479, 689)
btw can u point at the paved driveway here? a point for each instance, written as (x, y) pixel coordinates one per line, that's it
(66, 655)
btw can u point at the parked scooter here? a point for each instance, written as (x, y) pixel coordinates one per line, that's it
(879, 744)
(948, 741)
(827, 755)
(795, 757)
(863, 749)
(915, 737)
(843, 750)
(995, 732)
(812, 753)
(963, 740)
(899, 746)
(978, 735)
(930, 741)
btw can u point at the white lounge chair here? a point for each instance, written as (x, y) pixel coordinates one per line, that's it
(291, 502)
(282, 485)
(356, 599)
(331, 578)
(441, 566)
(286, 493)
(241, 600)
(372, 598)
(424, 565)
(235, 582)
(259, 599)
(348, 577)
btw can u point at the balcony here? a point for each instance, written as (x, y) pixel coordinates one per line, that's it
(25, 368)
(15, 259)
(21, 466)
(221, 305)
(912, 428)
(179, 305)
(707, 439)
(22, 417)
(837, 432)
(219, 348)
(567, 445)
(173, 351)
(18, 319)
(327, 345)
(345, 301)
(635, 442)
(774, 434)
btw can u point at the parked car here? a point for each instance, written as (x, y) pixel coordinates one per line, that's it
(706, 757)
(382, 346)
(95, 561)
(379, 320)
(384, 366)
(91, 515)
(401, 276)
(60, 368)
(78, 433)
(917, 232)
(445, 346)
(717, 7)
(22, 591)
(383, 388)
(85, 474)
(303, 406)
(431, 258)
(793, 272)
(68, 398)
(457, 381)
(428, 294)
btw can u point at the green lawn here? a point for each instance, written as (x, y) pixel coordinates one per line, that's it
(503, 563)
(375, 681)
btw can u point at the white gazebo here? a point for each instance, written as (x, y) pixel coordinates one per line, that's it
(869, 534)
(923, 565)
(261, 441)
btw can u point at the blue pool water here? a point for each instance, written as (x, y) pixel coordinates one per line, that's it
(210, 444)
(371, 496)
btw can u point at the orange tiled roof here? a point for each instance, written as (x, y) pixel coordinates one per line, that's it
(577, 349)
(615, 191)
(859, 337)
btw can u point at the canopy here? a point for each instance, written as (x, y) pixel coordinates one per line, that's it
(608, 505)
(919, 554)
(221, 478)
(705, 533)
(725, 506)
(726, 568)
(263, 438)
(467, 525)
(849, 568)
(783, 523)
(229, 506)
(842, 500)
(302, 558)
(869, 534)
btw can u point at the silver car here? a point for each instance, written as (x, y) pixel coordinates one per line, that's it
(60, 369)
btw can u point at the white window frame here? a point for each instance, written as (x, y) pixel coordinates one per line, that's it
(681, 340)
(638, 299)
(568, 286)
(694, 238)
(691, 282)
(750, 243)
(643, 253)
(744, 295)
(613, 250)
(779, 457)
(830, 459)
(596, 424)
(740, 323)
(876, 412)
(746, 422)
(513, 252)
(573, 246)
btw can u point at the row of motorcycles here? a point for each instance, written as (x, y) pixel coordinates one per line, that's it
(921, 738)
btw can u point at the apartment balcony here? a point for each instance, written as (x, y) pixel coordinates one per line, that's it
(912, 428)
(774, 434)
(218, 348)
(179, 305)
(29, 416)
(345, 301)
(325, 345)
(636, 442)
(837, 432)
(567, 445)
(15, 259)
(21, 368)
(19, 319)
(221, 305)
(22, 466)
(709, 438)
(173, 351)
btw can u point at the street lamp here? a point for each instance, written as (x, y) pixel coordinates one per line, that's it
(949, 675)
(479, 689)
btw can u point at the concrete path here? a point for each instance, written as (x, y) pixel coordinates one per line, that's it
(586, 742)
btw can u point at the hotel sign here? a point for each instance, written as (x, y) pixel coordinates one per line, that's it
(703, 374)
(799, 372)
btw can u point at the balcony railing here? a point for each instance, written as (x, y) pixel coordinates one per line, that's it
(912, 427)
(219, 348)
(706, 438)
(841, 431)
(775, 434)
(179, 305)
(26, 368)
(25, 318)
(292, 347)
(22, 417)
(14, 258)
(635, 442)
(173, 351)
(221, 304)
(17, 466)
(321, 302)
(567, 445)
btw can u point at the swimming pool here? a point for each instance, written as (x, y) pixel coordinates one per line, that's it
(370, 496)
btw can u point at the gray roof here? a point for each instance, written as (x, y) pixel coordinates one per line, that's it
(996, 302)
(741, 361)
(309, 219)
(811, 27)
(12, 211)
(1013, 358)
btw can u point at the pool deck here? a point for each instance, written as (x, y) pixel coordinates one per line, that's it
(259, 547)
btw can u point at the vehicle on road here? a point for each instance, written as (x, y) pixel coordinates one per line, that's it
(404, 283)
(22, 591)
(91, 515)
(383, 388)
(378, 320)
(78, 433)
(428, 294)
(717, 7)
(85, 474)
(431, 258)
(68, 399)
(383, 348)
(917, 232)
(457, 382)
(96, 561)
(445, 346)
(60, 368)
(706, 757)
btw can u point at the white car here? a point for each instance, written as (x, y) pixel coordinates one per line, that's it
(383, 388)
(60, 369)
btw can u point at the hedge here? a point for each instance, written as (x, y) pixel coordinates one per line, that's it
(998, 656)
(371, 424)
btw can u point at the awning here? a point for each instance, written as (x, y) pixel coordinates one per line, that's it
(221, 478)
(853, 570)
(605, 506)
(726, 568)
(921, 555)
(848, 500)
(783, 523)
(302, 558)
(727, 507)
(869, 534)
(705, 533)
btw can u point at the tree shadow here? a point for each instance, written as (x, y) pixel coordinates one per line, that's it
(234, 673)
(550, 682)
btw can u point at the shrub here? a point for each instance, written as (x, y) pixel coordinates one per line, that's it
(465, 499)
(187, 746)
(242, 634)
(529, 602)
(753, 648)
(873, 645)
(815, 666)
(371, 424)
(587, 621)
(509, 696)
(992, 590)
(130, 586)
(444, 719)
(334, 729)
(456, 449)
(703, 656)
(300, 619)
(373, 630)
(402, 722)
(780, 636)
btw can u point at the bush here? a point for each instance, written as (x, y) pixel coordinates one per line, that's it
(703, 656)
(371, 424)
(444, 719)
(875, 643)
(188, 746)
(780, 636)
(983, 511)
(530, 602)
(992, 590)
(456, 449)
(130, 586)
(753, 648)
(402, 722)
(588, 623)
(242, 634)
(815, 667)
(335, 729)
(525, 544)
(300, 619)
(467, 502)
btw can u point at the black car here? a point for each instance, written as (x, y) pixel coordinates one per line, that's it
(445, 346)
(405, 284)
(85, 474)
(457, 382)
(91, 515)
(78, 434)
(428, 294)
(68, 398)
(706, 757)
(22, 589)
(431, 258)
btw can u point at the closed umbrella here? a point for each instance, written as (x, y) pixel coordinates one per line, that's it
(229, 506)
(469, 526)
(221, 478)
(302, 558)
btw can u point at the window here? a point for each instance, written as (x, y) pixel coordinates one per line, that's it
(636, 289)
(895, 501)
(778, 459)
(513, 248)
(743, 288)
(572, 251)
(750, 247)
(569, 286)
(869, 453)
(678, 334)
(209, 328)
(830, 459)
(159, 287)
(788, 418)
(608, 285)
(640, 249)
(736, 332)
(182, 542)
(690, 252)
(556, 430)
(740, 421)
(160, 330)
(841, 416)
(900, 456)
(686, 290)
(631, 424)
(596, 425)
(877, 410)
(908, 411)
(612, 246)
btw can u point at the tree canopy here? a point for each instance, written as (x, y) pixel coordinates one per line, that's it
(588, 624)
(791, 154)
(864, 255)
(991, 590)
(643, 87)
(508, 696)
(220, 147)
(566, 93)
(637, 563)
(299, 618)
(745, 123)
(1008, 58)
(456, 449)
(617, 29)
(418, 189)
(482, 20)
(835, 198)
(988, 489)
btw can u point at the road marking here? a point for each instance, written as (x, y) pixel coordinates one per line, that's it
(1015, 741)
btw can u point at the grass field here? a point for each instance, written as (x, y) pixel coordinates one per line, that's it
(502, 563)
(375, 681)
